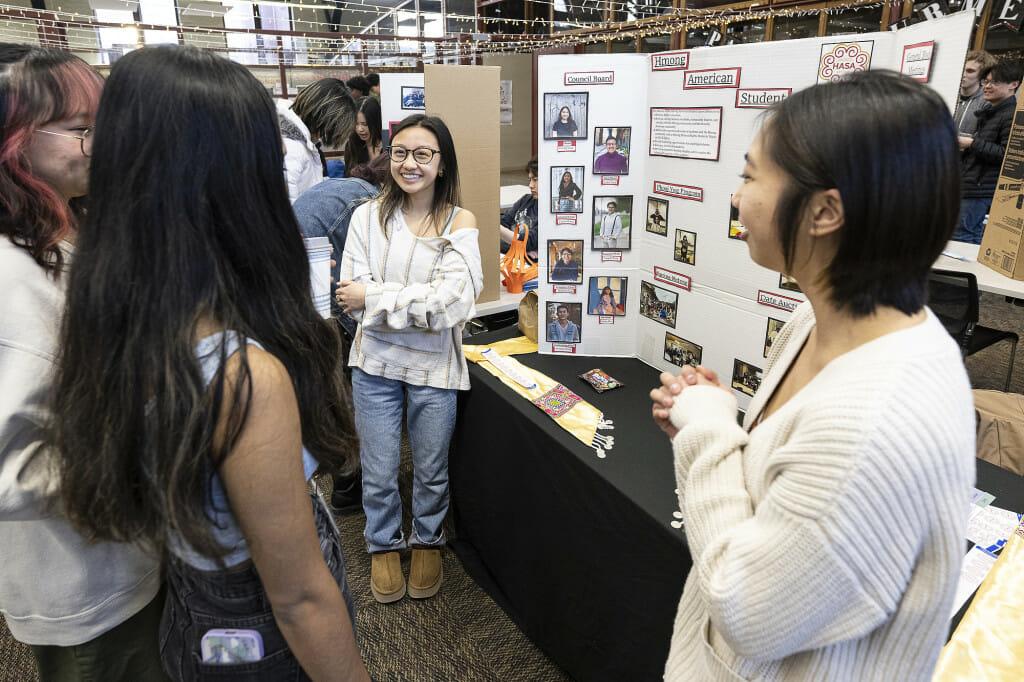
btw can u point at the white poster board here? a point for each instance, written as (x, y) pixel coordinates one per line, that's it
(399, 98)
(691, 292)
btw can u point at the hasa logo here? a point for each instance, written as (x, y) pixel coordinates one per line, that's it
(839, 59)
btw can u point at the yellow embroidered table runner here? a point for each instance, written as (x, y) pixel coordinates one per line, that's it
(569, 411)
(988, 646)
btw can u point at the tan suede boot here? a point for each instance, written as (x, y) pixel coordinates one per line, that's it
(386, 580)
(425, 573)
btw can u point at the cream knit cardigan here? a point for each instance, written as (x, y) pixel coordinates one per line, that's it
(826, 541)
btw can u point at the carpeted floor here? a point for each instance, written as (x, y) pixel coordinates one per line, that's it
(461, 634)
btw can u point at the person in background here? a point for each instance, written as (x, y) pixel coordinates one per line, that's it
(374, 80)
(87, 610)
(328, 112)
(325, 211)
(193, 406)
(410, 275)
(364, 144)
(303, 164)
(522, 214)
(982, 154)
(562, 329)
(565, 269)
(359, 86)
(970, 100)
(827, 530)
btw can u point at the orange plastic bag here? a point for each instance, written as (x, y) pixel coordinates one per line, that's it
(516, 266)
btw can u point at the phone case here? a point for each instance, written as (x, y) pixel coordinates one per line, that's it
(231, 646)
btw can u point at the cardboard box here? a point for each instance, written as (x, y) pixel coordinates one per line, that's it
(1002, 247)
(466, 97)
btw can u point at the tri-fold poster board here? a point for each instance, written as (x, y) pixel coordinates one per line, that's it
(643, 258)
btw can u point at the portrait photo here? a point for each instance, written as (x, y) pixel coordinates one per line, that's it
(565, 261)
(658, 304)
(613, 217)
(565, 115)
(611, 151)
(567, 189)
(789, 283)
(770, 333)
(745, 377)
(607, 296)
(563, 322)
(685, 250)
(735, 226)
(657, 216)
(681, 352)
(413, 97)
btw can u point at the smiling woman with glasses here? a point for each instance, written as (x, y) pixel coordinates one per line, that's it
(410, 275)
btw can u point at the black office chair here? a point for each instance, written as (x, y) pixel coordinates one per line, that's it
(953, 297)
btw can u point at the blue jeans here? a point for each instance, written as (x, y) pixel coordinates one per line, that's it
(431, 420)
(198, 601)
(971, 223)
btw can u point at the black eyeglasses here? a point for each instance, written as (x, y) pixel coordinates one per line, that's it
(84, 140)
(423, 155)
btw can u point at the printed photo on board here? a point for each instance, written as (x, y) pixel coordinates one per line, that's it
(564, 320)
(658, 304)
(788, 283)
(657, 216)
(611, 151)
(567, 189)
(681, 352)
(413, 97)
(735, 226)
(770, 333)
(613, 217)
(565, 115)
(607, 296)
(565, 261)
(686, 247)
(745, 377)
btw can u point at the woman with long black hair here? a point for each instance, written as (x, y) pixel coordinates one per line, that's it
(364, 144)
(198, 388)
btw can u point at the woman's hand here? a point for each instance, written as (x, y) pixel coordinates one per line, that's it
(663, 396)
(351, 296)
(964, 141)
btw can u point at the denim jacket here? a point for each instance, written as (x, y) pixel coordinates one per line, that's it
(324, 211)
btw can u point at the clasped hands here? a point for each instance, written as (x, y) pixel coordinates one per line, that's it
(663, 397)
(350, 295)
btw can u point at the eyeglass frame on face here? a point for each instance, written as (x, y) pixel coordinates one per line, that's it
(990, 81)
(391, 150)
(86, 135)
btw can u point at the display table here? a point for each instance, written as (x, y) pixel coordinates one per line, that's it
(988, 279)
(579, 551)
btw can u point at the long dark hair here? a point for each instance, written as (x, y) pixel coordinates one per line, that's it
(446, 186)
(38, 86)
(189, 220)
(356, 151)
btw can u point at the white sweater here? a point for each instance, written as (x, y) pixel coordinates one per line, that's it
(826, 541)
(55, 587)
(420, 292)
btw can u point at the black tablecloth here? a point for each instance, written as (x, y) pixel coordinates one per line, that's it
(580, 551)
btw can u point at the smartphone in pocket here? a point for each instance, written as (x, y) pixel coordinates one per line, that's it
(231, 646)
